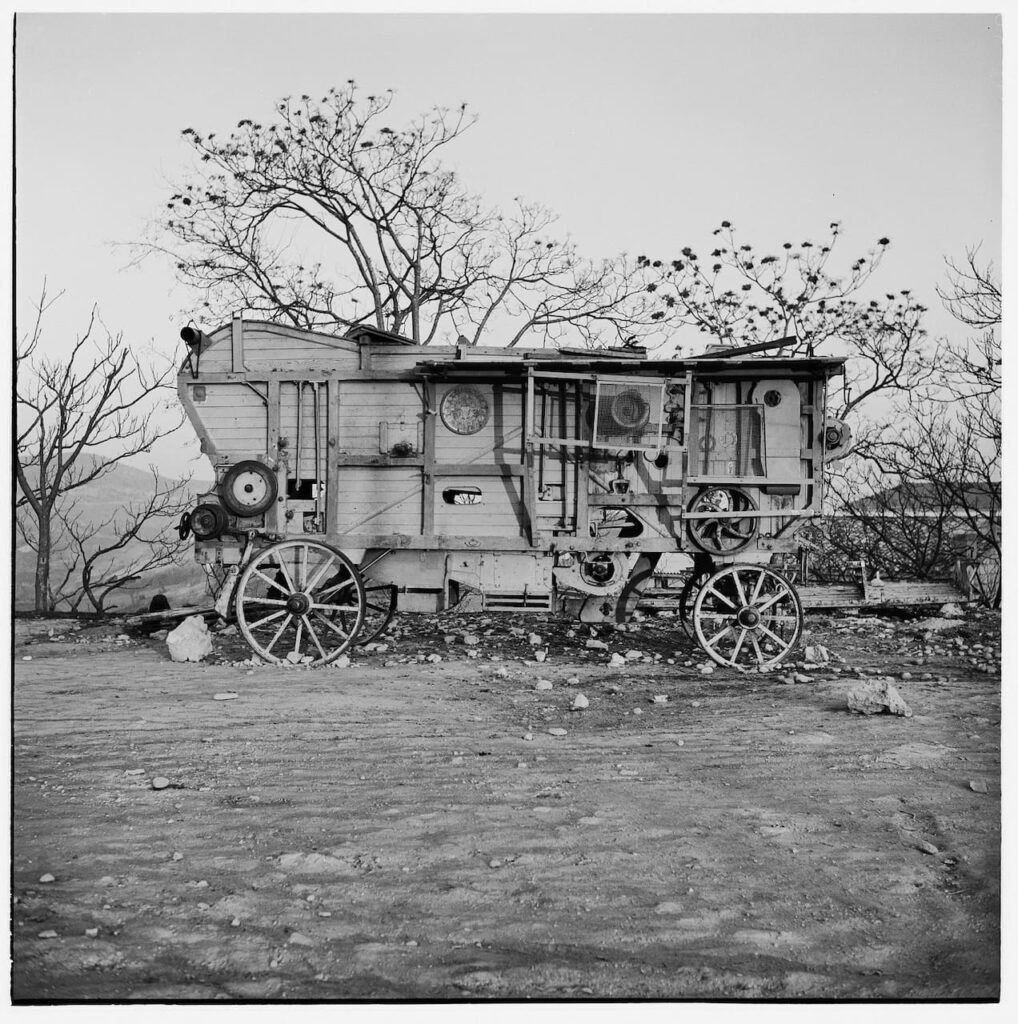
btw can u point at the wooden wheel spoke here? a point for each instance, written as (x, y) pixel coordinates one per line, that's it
(784, 644)
(337, 586)
(275, 584)
(314, 636)
(717, 636)
(761, 576)
(268, 618)
(783, 592)
(738, 645)
(319, 573)
(286, 577)
(717, 593)
(267, 600)
(300, 635)
(738, 585)
(303, 565)
(332, 625)
(336, 607)
(279, 633)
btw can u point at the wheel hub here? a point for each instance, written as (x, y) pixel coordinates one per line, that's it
(748, 618)
(298, 604)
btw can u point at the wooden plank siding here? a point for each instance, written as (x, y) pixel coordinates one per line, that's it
(234, 418)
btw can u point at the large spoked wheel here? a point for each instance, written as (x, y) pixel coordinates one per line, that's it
(300, 601)
(379, 609)
(747, 617)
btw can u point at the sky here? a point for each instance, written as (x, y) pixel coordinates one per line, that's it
(642, 131)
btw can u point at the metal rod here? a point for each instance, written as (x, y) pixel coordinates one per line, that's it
(318, 459)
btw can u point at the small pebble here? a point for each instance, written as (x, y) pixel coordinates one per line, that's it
(92, 933)
(556, 732)
(47, 878)
(159, 782)
(977, 786)
(580, 702)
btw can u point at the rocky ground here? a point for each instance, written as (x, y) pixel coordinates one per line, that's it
(495, 808)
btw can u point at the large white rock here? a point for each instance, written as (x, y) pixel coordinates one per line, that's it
(875, 697)
(190, 641)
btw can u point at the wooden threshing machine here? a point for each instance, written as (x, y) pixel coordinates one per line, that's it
(360, 475)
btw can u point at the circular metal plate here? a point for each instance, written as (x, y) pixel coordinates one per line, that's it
(464, 409)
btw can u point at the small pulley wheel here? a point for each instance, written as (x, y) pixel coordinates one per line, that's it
(249, 488)
(184, 526)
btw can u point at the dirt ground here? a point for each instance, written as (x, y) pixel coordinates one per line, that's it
(412, 829)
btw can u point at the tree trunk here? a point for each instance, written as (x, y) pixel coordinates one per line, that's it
(42, 566)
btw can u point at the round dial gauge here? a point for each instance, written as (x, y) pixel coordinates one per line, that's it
(464, 410)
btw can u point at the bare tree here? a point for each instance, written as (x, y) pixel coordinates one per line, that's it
(927, 491)
(329, 217)
(77, 418)
(739, 294)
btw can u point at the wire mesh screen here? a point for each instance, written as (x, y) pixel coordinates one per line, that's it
(726, 440)
(628, 415)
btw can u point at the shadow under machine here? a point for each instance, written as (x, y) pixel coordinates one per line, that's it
(362, 475)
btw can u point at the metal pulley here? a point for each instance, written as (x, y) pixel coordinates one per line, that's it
(837, 439)
(249, 488)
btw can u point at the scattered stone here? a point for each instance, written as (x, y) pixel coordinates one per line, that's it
(47, 878)
(926, 847)
(343, 661)
(228, 695)
(977, 786)
(92, 933)
(296, 939)
(556, 732)
(235, 923)
(534, 640)
(543, 684)
(434, 658)
(27, 657)
(135, 771)
(470, 639)
(634, 655)
(528, 736)
(596, 645)
(800, 678)
(48, 934)
(160, 782)
(659, 698)
(540, 655)
(573, 681)
(190, 641)
(494, 863)
(876, 697)
(580, 702)
(705, 669)
(177, 856)
(637, 711)
(952, 611)
(617, 661)
(817, 655)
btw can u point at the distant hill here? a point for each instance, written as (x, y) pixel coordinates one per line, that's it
(183, 584)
